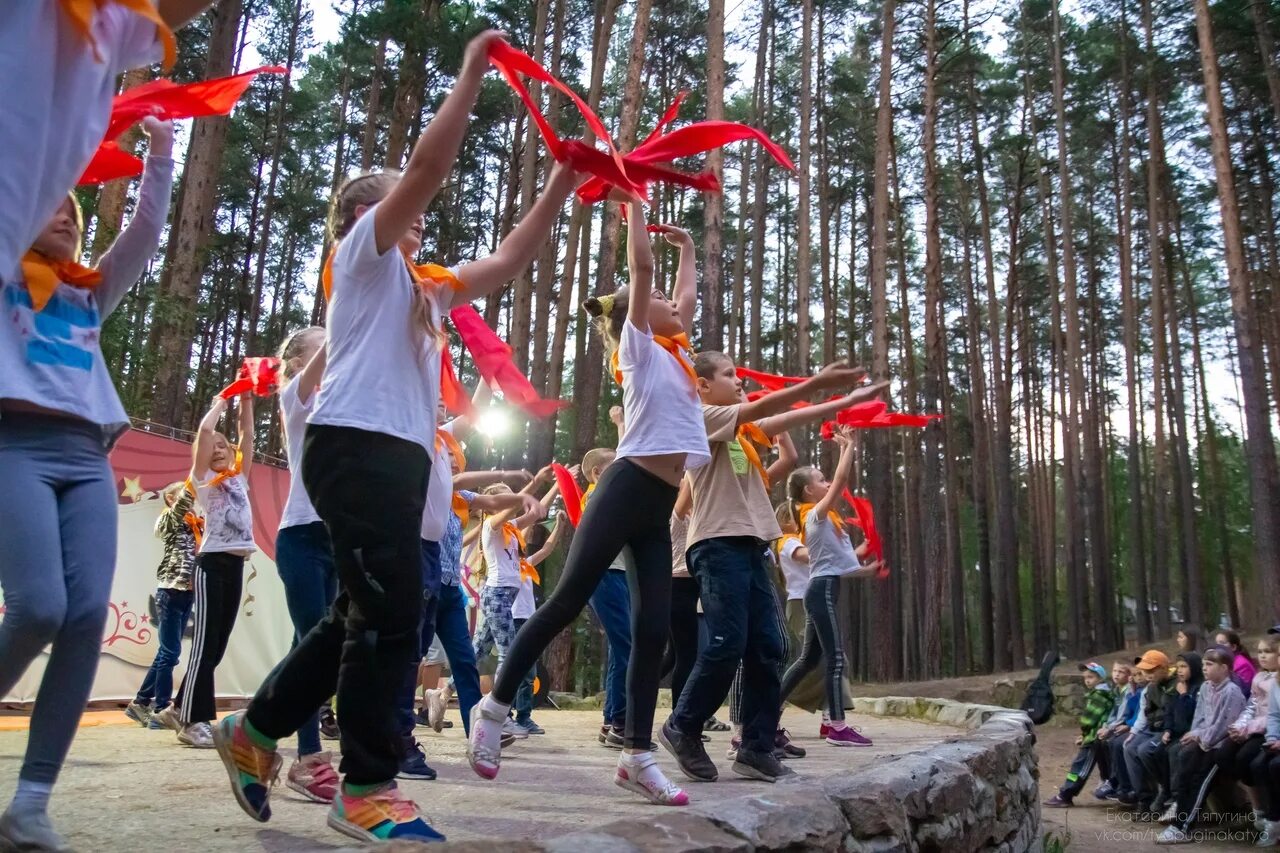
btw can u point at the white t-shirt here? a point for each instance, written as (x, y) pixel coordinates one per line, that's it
(830, 548)
(524, 605)
(502, 560)
(794, 573)
(664, 414)
(297, 507)
(228, 518)
(679, 545)
(382, 373)
(439, 490)
(57, 102)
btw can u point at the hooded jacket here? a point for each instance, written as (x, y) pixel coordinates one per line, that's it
(1217, 707)
(1181, 711)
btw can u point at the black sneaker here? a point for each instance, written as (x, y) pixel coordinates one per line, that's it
(782, 741)
(413, 762)
(760, 765)
(689, 754)
(613, 738)
(328, 724)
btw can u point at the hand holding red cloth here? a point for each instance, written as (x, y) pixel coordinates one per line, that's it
(569, 491)
(257, 376)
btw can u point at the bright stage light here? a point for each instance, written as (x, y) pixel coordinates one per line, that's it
(494, 423)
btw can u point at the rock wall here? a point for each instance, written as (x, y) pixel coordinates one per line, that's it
(973, 791)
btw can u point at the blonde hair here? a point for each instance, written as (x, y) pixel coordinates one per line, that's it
(798, 480)
(171, 493)
(363, 190)
(292, 348)
(595, 459)
(786, 515)
(608, 313)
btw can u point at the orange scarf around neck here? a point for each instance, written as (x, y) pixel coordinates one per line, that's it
(43, 276)
(81, 13)
(527, 570)
(834, 516)
(461, 509)
(778, 545)
(586, 496)
(233, 471)
(422, 274)
(196, 523)
(678, 346)
(445, 439)
(749, 435)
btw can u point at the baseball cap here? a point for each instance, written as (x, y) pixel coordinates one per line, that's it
(1152, 659)
(1094, 667)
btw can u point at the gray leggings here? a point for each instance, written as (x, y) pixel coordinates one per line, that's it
(821, 640)
(57, 558)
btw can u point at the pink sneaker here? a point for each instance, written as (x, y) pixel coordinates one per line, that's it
(313, 777)
(848, 736)
(824, 729)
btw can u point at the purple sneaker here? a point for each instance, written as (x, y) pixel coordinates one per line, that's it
(847, 736)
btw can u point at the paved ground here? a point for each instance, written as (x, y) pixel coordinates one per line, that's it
(126, 788)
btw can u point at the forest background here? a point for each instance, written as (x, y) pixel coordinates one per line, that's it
(1055, 226)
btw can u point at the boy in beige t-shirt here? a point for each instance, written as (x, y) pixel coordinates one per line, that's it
(730, 528)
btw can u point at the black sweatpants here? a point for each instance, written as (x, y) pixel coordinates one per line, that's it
(630, 507)
(1191, 772)
(370, 490)
(217, 582)
(1265, 770)
(1235, 760)
(682, 648)
(822, 641)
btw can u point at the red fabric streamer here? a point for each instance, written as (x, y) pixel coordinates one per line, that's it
(493, 360)
(865, 520)
(569, 491)
(257, 376)
(166, 100)
(769, 381)
(455, 397)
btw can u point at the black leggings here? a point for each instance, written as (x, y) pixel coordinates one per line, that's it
(682, 647)
(821, 640)
(370, 489)
(630, 507)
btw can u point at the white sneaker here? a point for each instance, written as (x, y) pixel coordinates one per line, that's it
(517, 732)
(1270, 836)
(197, 735)
(169, 718)
(1170, 814)
(436, 703)
(639, 773)
(1173, 835)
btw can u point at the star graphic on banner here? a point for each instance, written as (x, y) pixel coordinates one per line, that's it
(132, 489)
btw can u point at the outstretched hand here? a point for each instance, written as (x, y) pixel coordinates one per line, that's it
(159, 135)
(477, 53)
(675, 235)
(838, 374)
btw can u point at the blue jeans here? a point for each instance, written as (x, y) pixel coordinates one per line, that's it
(304, 559)
(611, 603)
(455, 637)
(173, 609)
(743, 624)
(57, 558)
(426, 631)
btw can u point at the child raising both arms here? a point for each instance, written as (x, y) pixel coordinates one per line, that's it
(630, 506)
(59, 416)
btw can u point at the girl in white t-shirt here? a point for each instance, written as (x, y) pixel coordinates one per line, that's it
(631, 506)
(793, 561)
(220, 472)
(831, 556)
(366, 465)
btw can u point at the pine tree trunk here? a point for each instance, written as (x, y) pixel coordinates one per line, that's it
(373, 110)
(1259, 445)
(411, 84)
(713, 220)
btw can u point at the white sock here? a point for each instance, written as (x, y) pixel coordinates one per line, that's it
(31, 796)
(494, 707)
(644, 769)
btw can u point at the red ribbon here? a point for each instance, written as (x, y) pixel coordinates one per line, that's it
(865, 520)
(257, 376)
(569, 491)
(874, 414)
(636, 170)
(166, 100)
(769, 381)
(493, 360)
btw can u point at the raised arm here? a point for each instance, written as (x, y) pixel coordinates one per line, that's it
(544, 476)
(518, 249)
(812, 414)
(202, 450)
(475, 480)
(833, 376)
(437, 149)
(639, 263)
(619, 420)
(245, 436)
(549, 547)
(462, 425)
(122, 265)
(787, 458)
(685, 294)
(309, 376)
(840, 478)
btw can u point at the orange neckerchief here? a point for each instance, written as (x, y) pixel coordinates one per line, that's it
(196, 523)
(749, 435)
(422, 274)
(461, 509)
(43, 275)
(783, 541)
(81, 14)
(444, 438)
(527, 569)
(831, 514)
(591, 487)
(233, 471)
(678, 346)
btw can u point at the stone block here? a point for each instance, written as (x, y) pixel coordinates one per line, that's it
(800, 819)
(673, 832)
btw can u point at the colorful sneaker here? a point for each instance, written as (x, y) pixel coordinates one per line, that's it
(140, 714)
(383, 815)
(197, 736)
(530, 727)
(436, 704)
(484, 747)
(169, 719)
(329, 724)
(313, 777)
(848, 736)
(824, 730)
(782, 741)
(251, 769)
(413, 761)
(511, 727)
(640, 773)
